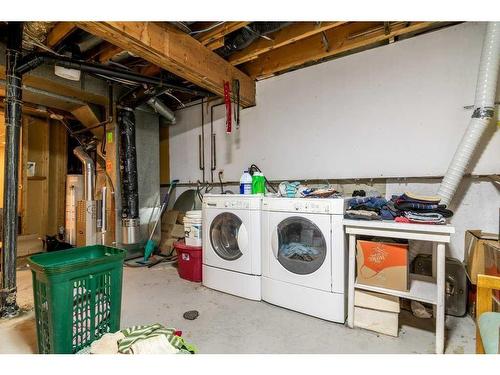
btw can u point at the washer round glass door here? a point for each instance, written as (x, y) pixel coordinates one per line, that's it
(224, 232)
(301, 245)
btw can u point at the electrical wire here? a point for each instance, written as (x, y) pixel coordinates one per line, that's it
(207, 29)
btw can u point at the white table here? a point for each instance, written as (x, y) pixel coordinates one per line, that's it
(422, 288)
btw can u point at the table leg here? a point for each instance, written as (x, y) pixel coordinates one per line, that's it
(440, 280)
(352, 277)
(434, 272)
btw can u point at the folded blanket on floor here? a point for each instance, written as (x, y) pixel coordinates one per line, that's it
(135, 334)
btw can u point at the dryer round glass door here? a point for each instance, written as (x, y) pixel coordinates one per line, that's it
(225, 233)
(301, 245)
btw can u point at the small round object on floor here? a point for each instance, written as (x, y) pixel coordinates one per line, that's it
(191, 315)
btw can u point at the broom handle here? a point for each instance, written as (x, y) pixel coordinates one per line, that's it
(162, 207)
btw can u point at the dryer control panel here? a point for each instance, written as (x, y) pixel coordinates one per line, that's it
(332, 206)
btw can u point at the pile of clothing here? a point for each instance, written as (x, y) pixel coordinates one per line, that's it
(148, 339)
(420, 209)
(299, 251)
(297, 190)
(370, 206)
(405, 208)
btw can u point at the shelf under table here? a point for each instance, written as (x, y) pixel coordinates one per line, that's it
(422, 288)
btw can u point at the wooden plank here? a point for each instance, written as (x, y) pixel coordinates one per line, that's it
(219, 32)
(164, 155)
(290, 34)
(88, 118)
(217, 43)
(57, 173)
(150, 70)
(108, 53)
(60, 31)
(171, 49)
(341, 39)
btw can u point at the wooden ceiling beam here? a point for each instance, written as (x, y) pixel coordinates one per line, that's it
(217, 43)
(60, 31)
(293, 33)
(350, 36)
(108, 53)
(219, 32)
(173, 50)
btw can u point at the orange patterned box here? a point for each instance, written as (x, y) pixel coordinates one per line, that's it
(383, 265)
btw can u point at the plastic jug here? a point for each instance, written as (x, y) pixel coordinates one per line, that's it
(246, 183)
(258, 183)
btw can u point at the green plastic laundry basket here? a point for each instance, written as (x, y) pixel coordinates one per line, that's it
(77, 295)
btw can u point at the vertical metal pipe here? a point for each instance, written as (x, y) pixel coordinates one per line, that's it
(13, 112)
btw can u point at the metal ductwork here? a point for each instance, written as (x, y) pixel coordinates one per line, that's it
(13, 113)
(484, 110)
(162, 109)
(87, 207)
(129, 178)
(88, 172)
(245, 36)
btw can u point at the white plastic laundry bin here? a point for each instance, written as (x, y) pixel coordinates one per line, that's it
(193, 228)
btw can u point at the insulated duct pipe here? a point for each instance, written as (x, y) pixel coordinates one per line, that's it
(162, 109)
(88, 172)
(13, 112)
(483, 113)
(128, 174)
(35, 60)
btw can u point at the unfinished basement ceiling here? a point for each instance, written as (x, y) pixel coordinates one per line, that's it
(254, 50)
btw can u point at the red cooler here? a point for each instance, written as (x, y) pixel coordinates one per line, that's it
(189, 261)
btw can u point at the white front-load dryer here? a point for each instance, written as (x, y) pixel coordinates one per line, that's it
(231, 244)
(304, 255)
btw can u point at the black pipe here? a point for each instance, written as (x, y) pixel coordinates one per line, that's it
(34, 60)
(213, 149)
(13, 112)
(128, 161)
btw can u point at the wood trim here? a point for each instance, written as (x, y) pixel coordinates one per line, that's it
(290, 34)
(348, 37)
(219, 32)
(171, 49)
(60, 31)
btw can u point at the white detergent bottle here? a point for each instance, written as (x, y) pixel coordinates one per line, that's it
(246, 183)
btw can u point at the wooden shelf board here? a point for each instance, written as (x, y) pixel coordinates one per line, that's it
(422, 288)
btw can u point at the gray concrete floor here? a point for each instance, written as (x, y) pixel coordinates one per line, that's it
(228, 324)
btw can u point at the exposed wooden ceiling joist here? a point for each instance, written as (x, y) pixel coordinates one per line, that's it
(219, 32)
(108, 53)
(341, 39)
(60, 31)
(171, 49)
(293, 33)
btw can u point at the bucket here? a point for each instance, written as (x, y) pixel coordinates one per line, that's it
(189, 261)
(193, 228)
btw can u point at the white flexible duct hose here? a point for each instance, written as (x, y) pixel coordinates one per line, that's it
(483, 113)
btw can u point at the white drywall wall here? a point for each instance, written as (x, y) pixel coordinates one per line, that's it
(393, 111)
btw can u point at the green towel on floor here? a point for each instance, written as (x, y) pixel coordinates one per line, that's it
(136, 333)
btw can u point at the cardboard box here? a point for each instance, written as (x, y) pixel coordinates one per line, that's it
(167, 245)
(173, 231)
(474, 251)
(383, 265)
(376, 301)
(379, 321)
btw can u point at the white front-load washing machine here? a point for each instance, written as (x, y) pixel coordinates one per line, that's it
(304, 255)
(231, 244)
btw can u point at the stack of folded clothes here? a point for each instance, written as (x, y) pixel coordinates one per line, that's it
(420, 209)
(370, 208)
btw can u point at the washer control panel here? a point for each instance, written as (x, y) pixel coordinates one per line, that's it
(232, 201)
